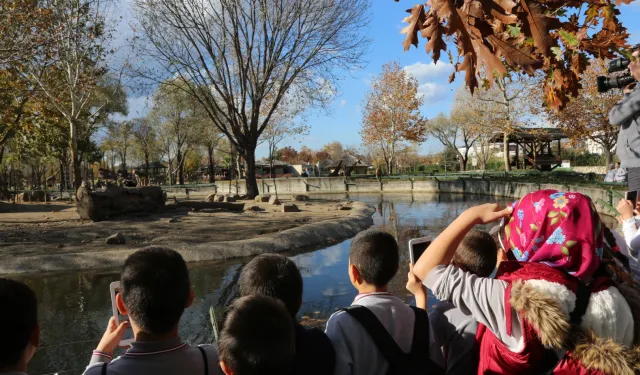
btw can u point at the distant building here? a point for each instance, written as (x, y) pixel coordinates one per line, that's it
(347, 165)
(298, 169)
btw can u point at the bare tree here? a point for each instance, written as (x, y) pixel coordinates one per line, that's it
(145, 139)
(450, 131)
(121, 136)
(240, 57)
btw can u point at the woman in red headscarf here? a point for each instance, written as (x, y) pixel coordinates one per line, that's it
(554, 306)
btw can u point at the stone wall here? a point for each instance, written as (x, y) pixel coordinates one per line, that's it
(322, 185)
(598, 170)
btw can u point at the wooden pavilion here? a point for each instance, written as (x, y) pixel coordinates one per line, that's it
(535, 145)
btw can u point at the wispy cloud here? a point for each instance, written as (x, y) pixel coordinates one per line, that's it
(424, 72)
(343, 103)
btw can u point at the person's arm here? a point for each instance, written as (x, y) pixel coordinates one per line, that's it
(415, 287)
(109, 342)
(335, 332)
(443, 248)
(480, 297)
(625, 109)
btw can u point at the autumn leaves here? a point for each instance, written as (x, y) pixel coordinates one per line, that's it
(504, 36)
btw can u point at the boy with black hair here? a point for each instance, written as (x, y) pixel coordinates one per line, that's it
(257, 338)
(373, 261)
(276, 276)
(155, 290)
(20, 332)
(453, 331)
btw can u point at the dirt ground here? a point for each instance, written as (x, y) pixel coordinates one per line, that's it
(33, 229)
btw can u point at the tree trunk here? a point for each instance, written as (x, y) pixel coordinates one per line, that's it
(505, 149)
(180, 168)
(75, 163)
(608, 155)
(212, 177)
(252, 183)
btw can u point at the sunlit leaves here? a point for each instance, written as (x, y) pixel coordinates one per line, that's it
(526, 36)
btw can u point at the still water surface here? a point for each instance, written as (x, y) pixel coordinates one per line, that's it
(75, 307)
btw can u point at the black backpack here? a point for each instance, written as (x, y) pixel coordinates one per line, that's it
(415, 363)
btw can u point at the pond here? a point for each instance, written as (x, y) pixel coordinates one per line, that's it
(75, 307)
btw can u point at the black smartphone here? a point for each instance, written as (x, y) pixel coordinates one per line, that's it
(417, 246)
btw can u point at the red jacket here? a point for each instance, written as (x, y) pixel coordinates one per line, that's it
(545, 325)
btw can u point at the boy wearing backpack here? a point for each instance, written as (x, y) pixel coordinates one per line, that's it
(377, 334)
(454, 331)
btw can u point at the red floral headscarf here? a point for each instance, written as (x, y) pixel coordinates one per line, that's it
(560, 229)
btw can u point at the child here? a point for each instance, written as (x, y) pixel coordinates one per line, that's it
(454, 331)
(257, 338)
(541, 313)
(20, 331)
(276, 276)
(155, 291)
(373, 261)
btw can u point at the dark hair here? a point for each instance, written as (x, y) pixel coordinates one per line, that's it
(477, 253)
(375, 254)
(155, 288)
(258, 337)
(19, 314)
(273, 275)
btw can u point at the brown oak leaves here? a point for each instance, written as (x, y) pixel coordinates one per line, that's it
(555, 36)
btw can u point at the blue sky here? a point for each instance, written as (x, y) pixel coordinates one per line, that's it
(342, 123)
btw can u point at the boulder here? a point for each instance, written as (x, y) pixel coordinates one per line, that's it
(254, 208)
(210, 197)
(290, 207)
(229, 199)
(218, 198)
(300, 198)
(263, 198)
(344, 208)
(101, 205)
(274, 200)
(22, 197)
(116, 239)
(38, 196)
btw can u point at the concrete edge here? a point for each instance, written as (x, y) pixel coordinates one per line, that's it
(312, 235)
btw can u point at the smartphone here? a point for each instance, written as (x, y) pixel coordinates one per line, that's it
(127, 338)
(417, 246)
(633, 197)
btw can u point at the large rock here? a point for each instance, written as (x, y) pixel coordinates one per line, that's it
(290, 207)
(210, 197)
(274, 200)
(300, 197)
(263, 198)
(254, 208)
(32, 196)
(116, 239)
(229, 199)
(102, 205)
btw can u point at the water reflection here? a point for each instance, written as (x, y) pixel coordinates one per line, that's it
(74, 308)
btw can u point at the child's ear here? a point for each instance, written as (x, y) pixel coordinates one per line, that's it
(192, 296)
(120, 304)
(354, 274)
(35, 336)
(226, 370)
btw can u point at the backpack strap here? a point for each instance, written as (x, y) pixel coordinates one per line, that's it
(104, 369)
(420, 331)
(206, 361)
(379, 334)
(421, 343)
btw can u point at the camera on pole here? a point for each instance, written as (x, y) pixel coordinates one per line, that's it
(617, 82)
